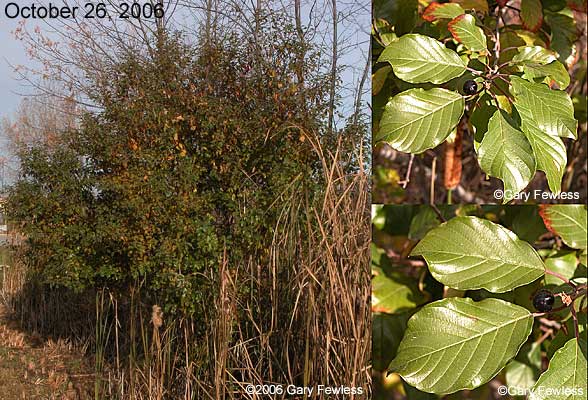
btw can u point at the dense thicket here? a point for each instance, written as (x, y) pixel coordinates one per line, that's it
(188, 155)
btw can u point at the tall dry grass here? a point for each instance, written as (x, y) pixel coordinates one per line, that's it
(304, 318)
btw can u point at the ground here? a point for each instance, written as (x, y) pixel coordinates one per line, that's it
(32, 367)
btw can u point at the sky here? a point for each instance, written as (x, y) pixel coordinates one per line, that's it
(12, 53)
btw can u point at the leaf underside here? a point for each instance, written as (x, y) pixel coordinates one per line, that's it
(546, 115)
(505, 153)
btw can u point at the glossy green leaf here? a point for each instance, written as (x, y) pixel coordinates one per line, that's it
(550, 155)
(531, 14)
(464, 30)
(546, 115)
(419, 59)
(387, 332)
(395, 293)
(455, 344)
(418, 119)
(473, 253)
(535, 54)
(505, 153)
(554, 70)
(435, 11)
(568, 221)
(552, 110)
(566, 376)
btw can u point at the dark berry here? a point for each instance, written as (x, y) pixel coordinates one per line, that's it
(543, 300)
(470, 87)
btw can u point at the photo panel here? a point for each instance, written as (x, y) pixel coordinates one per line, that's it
(478, 302)
(479, 102)
(185, 199)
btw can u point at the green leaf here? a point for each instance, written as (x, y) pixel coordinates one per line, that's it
(566, 372)
(401, 14)
(395, 293)
(419, 59)
(480, 117)
(563, 32)
(435, 11)
(478, 5)
(552, 110)
(418, 119)
(423, 222)
(554, 70)
(536, 54)
(379, 78)
(550, 155)
(519, 376)
(531, 14)
(545, 114)
(473, 253)
(564, 263)
(568, 222)
(563, 336)
(527, 223)
(522, 372)
(455, 344)
(506, 154)
(464, 30)
(387, 332)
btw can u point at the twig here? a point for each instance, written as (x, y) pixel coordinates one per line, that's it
(438, 212)
(433, 173)
(474, 71)
(406, 180)
(563, 278)
(497, 36)
(547, 333)
(503, 92)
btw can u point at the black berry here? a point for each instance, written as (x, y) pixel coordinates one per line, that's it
(470, 87)
(543, 300)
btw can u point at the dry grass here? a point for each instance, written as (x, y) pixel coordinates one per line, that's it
(304, 318)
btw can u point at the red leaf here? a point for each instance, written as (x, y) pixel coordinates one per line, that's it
(428, 14)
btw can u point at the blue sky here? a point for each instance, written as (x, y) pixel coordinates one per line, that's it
(12, 52)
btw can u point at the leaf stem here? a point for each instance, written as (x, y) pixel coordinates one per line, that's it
(474, 71)
(563, 278)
